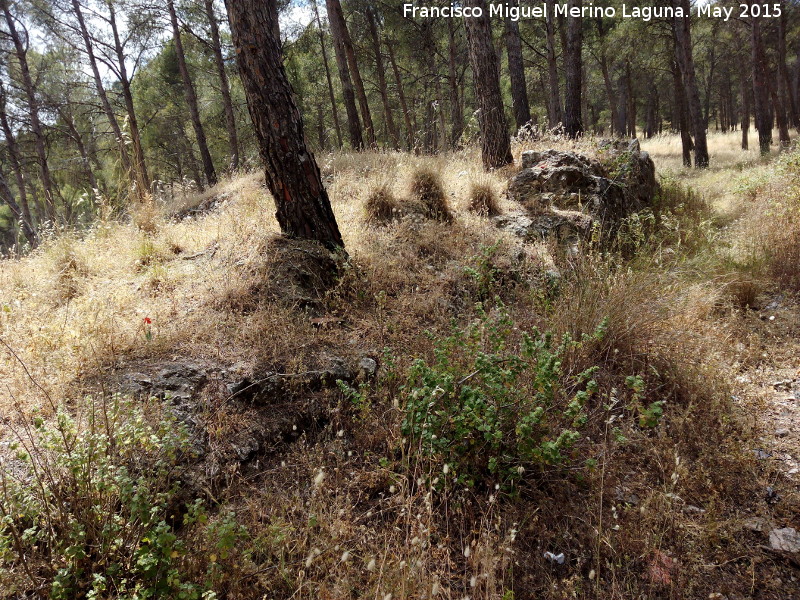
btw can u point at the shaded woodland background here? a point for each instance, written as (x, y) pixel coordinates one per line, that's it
(104, 101)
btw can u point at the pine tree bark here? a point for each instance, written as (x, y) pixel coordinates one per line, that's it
(191, 98)
(326, 64)
(745, 112)
(224, 85)
(791, 99)
(401, 95)
(33, 112)
(140, 175)
(336, 13)
(516, 71)
(371, 15)
(16, 166)
(495, 140)
(456, 113)
(760, 88)
(554, 114)
(680, 116)
(101, 92)
(335, 20)
(683, 40)
(7, 197)
(573, 69)
(292, 174)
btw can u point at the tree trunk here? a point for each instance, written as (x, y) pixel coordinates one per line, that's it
(760, 88)
(335, 13)
(16, 166)
(371, 15)
(335, 21)
(573, 69)
(495, 141)
(324, 51)
(292, 174)
(191, 98)
(401, 95)
(140, 176)
(786, 81)
(101, 92)
(607, 83)
(680, 114)
(456, 114)
(33, 111)
(224, 86)
(516, 71)
(554, 115)
(683, 40)
(8, 198)
(745, 112)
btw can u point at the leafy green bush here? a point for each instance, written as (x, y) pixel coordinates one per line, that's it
(89, 510)
(495, 401)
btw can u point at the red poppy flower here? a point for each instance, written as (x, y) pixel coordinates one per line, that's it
(147, 320)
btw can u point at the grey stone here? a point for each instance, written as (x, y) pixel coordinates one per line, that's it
(785, 539)
(367, 367)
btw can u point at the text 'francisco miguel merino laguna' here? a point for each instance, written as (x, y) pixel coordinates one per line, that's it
(644, 13)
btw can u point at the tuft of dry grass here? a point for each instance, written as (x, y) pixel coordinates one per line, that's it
(427, 194)
(381, 205)
(483, 198)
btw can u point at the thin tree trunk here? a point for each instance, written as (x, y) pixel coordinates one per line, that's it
(16, 166)
(101, 92)
(8, 198)
(191, 98)
(573, 69)
(683, 40)
(376, 48)
(495, 141)
(516, 71)
(335, 7)
(224, 86)
(292, 174)
(335, 21)
(33, 111)
(402, 96)
(554, 115)
(140, 167)
(680, 110)
(760, 88)
(456, 114)
(786, 81)
(323, 49)
(745, 112)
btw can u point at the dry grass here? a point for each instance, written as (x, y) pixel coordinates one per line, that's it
(483, 198)
(375, 524)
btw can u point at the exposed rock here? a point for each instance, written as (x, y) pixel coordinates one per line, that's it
(565, 193)
(785, 539)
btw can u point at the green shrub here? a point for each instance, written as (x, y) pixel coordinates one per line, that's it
(495, 402)
(91, 510)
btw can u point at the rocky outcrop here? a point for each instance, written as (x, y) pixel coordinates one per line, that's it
(564, 194)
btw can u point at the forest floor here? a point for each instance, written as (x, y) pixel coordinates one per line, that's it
(689, 444)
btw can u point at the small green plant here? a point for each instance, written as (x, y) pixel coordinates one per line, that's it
(495, 402)
(650, 415)
(484, 272)
(92, 512)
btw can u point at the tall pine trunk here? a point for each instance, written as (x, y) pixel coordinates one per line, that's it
(224, 86)
(760, 88)
(456, 113)
(495, 140)
(332, 96)
(683, 41)
(371, 15)
(16, 165)
(292, 174)
(21, 50)
(516, 71)
(554, 114)
(140, 176)
(745, 112)
(336, 21)
(401, 95)
(573, 68)
(191, 98)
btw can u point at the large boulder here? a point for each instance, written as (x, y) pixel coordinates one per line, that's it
(566, 190)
